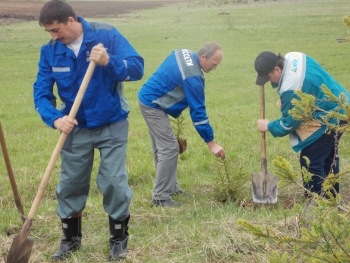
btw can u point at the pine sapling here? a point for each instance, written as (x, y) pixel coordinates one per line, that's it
(178, 126)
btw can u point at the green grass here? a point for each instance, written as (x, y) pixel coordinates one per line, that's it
(203, 229)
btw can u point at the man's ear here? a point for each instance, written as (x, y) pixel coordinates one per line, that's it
(71, 19)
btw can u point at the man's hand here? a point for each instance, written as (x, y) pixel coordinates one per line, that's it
(262, 125)
(217, 150)
(65, 124)
(99, 55)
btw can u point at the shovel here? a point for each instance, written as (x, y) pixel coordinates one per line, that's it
(11, 174)
(21, 246)
(264, 184)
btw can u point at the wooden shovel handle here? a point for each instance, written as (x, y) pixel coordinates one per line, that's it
(262, 135)
(60, 142)
(11, 174)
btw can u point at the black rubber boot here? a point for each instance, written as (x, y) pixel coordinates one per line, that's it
(71, 240)
(119, 238)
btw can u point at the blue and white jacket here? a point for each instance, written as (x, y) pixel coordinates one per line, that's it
(301, 72)
(103, 101)
(179, 83)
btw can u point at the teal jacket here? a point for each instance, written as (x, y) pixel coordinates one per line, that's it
(301, 72)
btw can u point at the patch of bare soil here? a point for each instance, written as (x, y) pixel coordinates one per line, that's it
(17, 11)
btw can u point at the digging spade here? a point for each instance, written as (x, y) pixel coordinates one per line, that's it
(21, 246)
(264, 184)
(11, 174)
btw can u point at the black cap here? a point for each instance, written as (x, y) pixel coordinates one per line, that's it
(264, 64)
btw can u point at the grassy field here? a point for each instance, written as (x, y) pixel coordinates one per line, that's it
(203, 229)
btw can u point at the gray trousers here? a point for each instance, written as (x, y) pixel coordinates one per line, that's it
(165, 152)
(77, 161)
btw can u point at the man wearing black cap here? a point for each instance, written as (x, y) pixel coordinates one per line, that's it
(297, 71)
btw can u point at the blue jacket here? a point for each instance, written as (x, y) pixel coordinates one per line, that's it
(301, 72)
(103, 101)
(178, 83)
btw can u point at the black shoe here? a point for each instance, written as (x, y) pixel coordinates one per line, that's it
(66, 249)
(181, 192)
(169, 203)
(119, 249)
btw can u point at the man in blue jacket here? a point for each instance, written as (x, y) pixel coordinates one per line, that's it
(101, 122)
(177, 84)
(297, 71)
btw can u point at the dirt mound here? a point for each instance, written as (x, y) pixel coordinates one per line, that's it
(15, 11)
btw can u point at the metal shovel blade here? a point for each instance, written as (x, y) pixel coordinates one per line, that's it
(21, 255)
(21, 247)
(264, 188)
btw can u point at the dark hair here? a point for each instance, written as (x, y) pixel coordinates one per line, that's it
(56, 11)
(208, 50)
(280, 61)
